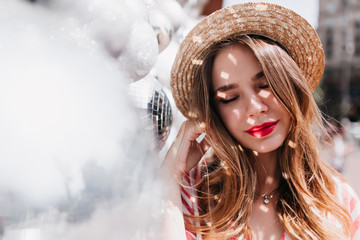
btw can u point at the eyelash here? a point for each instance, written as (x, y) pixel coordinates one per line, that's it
(266, 86)
(225, 101)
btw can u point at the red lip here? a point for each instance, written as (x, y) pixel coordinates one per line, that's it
(262, 130)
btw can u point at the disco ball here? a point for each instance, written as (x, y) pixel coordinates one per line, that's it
(154, 107)
(162, 27)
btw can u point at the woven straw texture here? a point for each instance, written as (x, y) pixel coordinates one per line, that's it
(270, 20)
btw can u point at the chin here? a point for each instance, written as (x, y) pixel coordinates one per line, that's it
(264, 148)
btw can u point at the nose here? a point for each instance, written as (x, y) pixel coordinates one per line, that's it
(256, 106)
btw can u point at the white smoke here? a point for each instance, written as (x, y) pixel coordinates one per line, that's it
(68, 131)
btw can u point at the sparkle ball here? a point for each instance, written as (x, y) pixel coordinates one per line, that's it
(154, 107)
(162, 27)
(140, 52)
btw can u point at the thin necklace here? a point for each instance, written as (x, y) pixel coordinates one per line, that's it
(267, 197)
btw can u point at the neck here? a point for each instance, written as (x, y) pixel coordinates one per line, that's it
(268, 172)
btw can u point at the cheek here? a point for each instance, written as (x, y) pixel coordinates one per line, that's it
(279, 107)
(281, 111)
(285, 116)
(231, 117)
(227, 114)
(235, 114)
(288, 122)
(275, 102)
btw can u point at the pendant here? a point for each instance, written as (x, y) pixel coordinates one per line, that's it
(267, 198)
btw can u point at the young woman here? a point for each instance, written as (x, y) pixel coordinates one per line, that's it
(245, 77)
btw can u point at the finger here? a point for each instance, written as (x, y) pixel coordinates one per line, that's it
(204, 144)
(187, 133)
(193, 130)
(175, 146)
(204, 157)
(208, 156)
(180, 133)
(180, 136)
(178, 143)
(185, 151)
(189, 148)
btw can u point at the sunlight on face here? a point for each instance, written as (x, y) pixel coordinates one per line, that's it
(245, 102)
(256, 103)
(237, 113)
(232, 59)
(224, 75)
(275, 101)
(221, 95)
(264, 93)
(250, 121)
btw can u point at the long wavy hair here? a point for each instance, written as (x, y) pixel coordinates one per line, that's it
(226, 191)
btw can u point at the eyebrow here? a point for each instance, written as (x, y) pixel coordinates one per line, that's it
(258, 76)
(226, 87)
(232, 86)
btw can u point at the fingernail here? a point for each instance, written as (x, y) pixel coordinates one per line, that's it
(201, 137)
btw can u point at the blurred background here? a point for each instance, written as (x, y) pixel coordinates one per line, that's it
(87, 113)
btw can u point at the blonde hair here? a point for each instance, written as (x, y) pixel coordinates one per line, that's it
(227, 189)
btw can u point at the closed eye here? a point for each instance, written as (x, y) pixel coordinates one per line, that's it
(266, 86)
(225, 101)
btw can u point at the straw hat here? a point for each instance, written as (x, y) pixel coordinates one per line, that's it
(273, 21)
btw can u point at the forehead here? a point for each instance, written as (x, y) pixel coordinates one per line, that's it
(234, 63)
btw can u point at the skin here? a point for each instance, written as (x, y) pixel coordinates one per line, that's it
(242, 99)
(183, 154)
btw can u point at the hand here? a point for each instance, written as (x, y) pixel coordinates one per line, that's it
(185, 152)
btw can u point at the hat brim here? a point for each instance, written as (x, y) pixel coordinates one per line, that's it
(270, 20)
